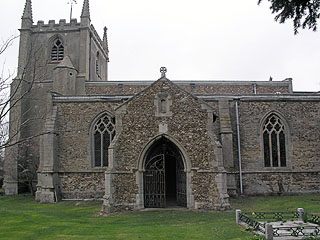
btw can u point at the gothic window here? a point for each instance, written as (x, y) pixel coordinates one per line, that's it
(57, 51)
(103, 134)
(274, 142)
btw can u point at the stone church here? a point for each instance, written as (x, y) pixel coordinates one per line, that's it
(150, 144)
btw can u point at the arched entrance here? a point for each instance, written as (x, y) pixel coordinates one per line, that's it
(164, 177)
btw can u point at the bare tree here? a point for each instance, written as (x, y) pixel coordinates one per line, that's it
(5, 80)
(16, 100)
(1, 169)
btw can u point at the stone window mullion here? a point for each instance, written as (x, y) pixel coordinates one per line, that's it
(101, 148)
(270, 149)
(274, 142)
(278, 146)
(105, 127)
(57, 51)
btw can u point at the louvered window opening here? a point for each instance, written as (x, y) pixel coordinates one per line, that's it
(104, 132)
(57, 52)
(274, 142)
(98, 64)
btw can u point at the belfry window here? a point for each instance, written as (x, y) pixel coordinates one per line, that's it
(274, 142)
(57, 51)
(98, 64)
(103, 134)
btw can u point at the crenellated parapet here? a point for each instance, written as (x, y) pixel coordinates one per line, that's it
(52, 25)
(63, 26)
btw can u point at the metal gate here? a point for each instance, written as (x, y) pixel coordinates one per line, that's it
(154, 178)
(181, 184)
(154, 182)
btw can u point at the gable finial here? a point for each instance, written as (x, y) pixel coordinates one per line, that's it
(85, 9)
(163, 71)
(27, 12)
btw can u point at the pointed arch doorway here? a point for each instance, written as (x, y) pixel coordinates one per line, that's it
(164, 177)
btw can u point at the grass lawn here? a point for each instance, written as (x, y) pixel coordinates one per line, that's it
(22, 218)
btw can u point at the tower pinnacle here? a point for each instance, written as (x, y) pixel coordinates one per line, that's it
(85, 9)
(27, 12)
(105, 40)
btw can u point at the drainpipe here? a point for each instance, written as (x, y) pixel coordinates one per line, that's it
(239, 148)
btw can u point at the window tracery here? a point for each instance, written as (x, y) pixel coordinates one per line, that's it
(274, 142)
(103, 134)
(57, 51)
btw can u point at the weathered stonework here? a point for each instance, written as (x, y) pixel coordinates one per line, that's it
(82, 185)
(74, 121)
(188, 125)
(303, 142)
(100, 139)
(281, 182)
(302, 145)
(195, 87)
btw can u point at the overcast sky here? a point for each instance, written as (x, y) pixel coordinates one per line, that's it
(194, 39)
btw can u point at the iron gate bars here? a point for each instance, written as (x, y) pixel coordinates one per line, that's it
(154, 183)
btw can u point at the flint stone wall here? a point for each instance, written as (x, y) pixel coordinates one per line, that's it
(74, 120)
(124, 190)
(194, 87)
(78, 177)
(303, 156)
(205, 190)
(82, 185)
(281, 183)
(188, 125)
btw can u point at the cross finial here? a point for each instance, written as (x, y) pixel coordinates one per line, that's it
(163, 71)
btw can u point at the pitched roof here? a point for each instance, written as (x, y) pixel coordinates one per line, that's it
(163, 78)
(66, 63)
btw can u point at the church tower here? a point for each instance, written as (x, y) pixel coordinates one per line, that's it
(55, 58)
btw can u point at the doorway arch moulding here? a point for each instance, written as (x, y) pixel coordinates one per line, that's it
(141, 169)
